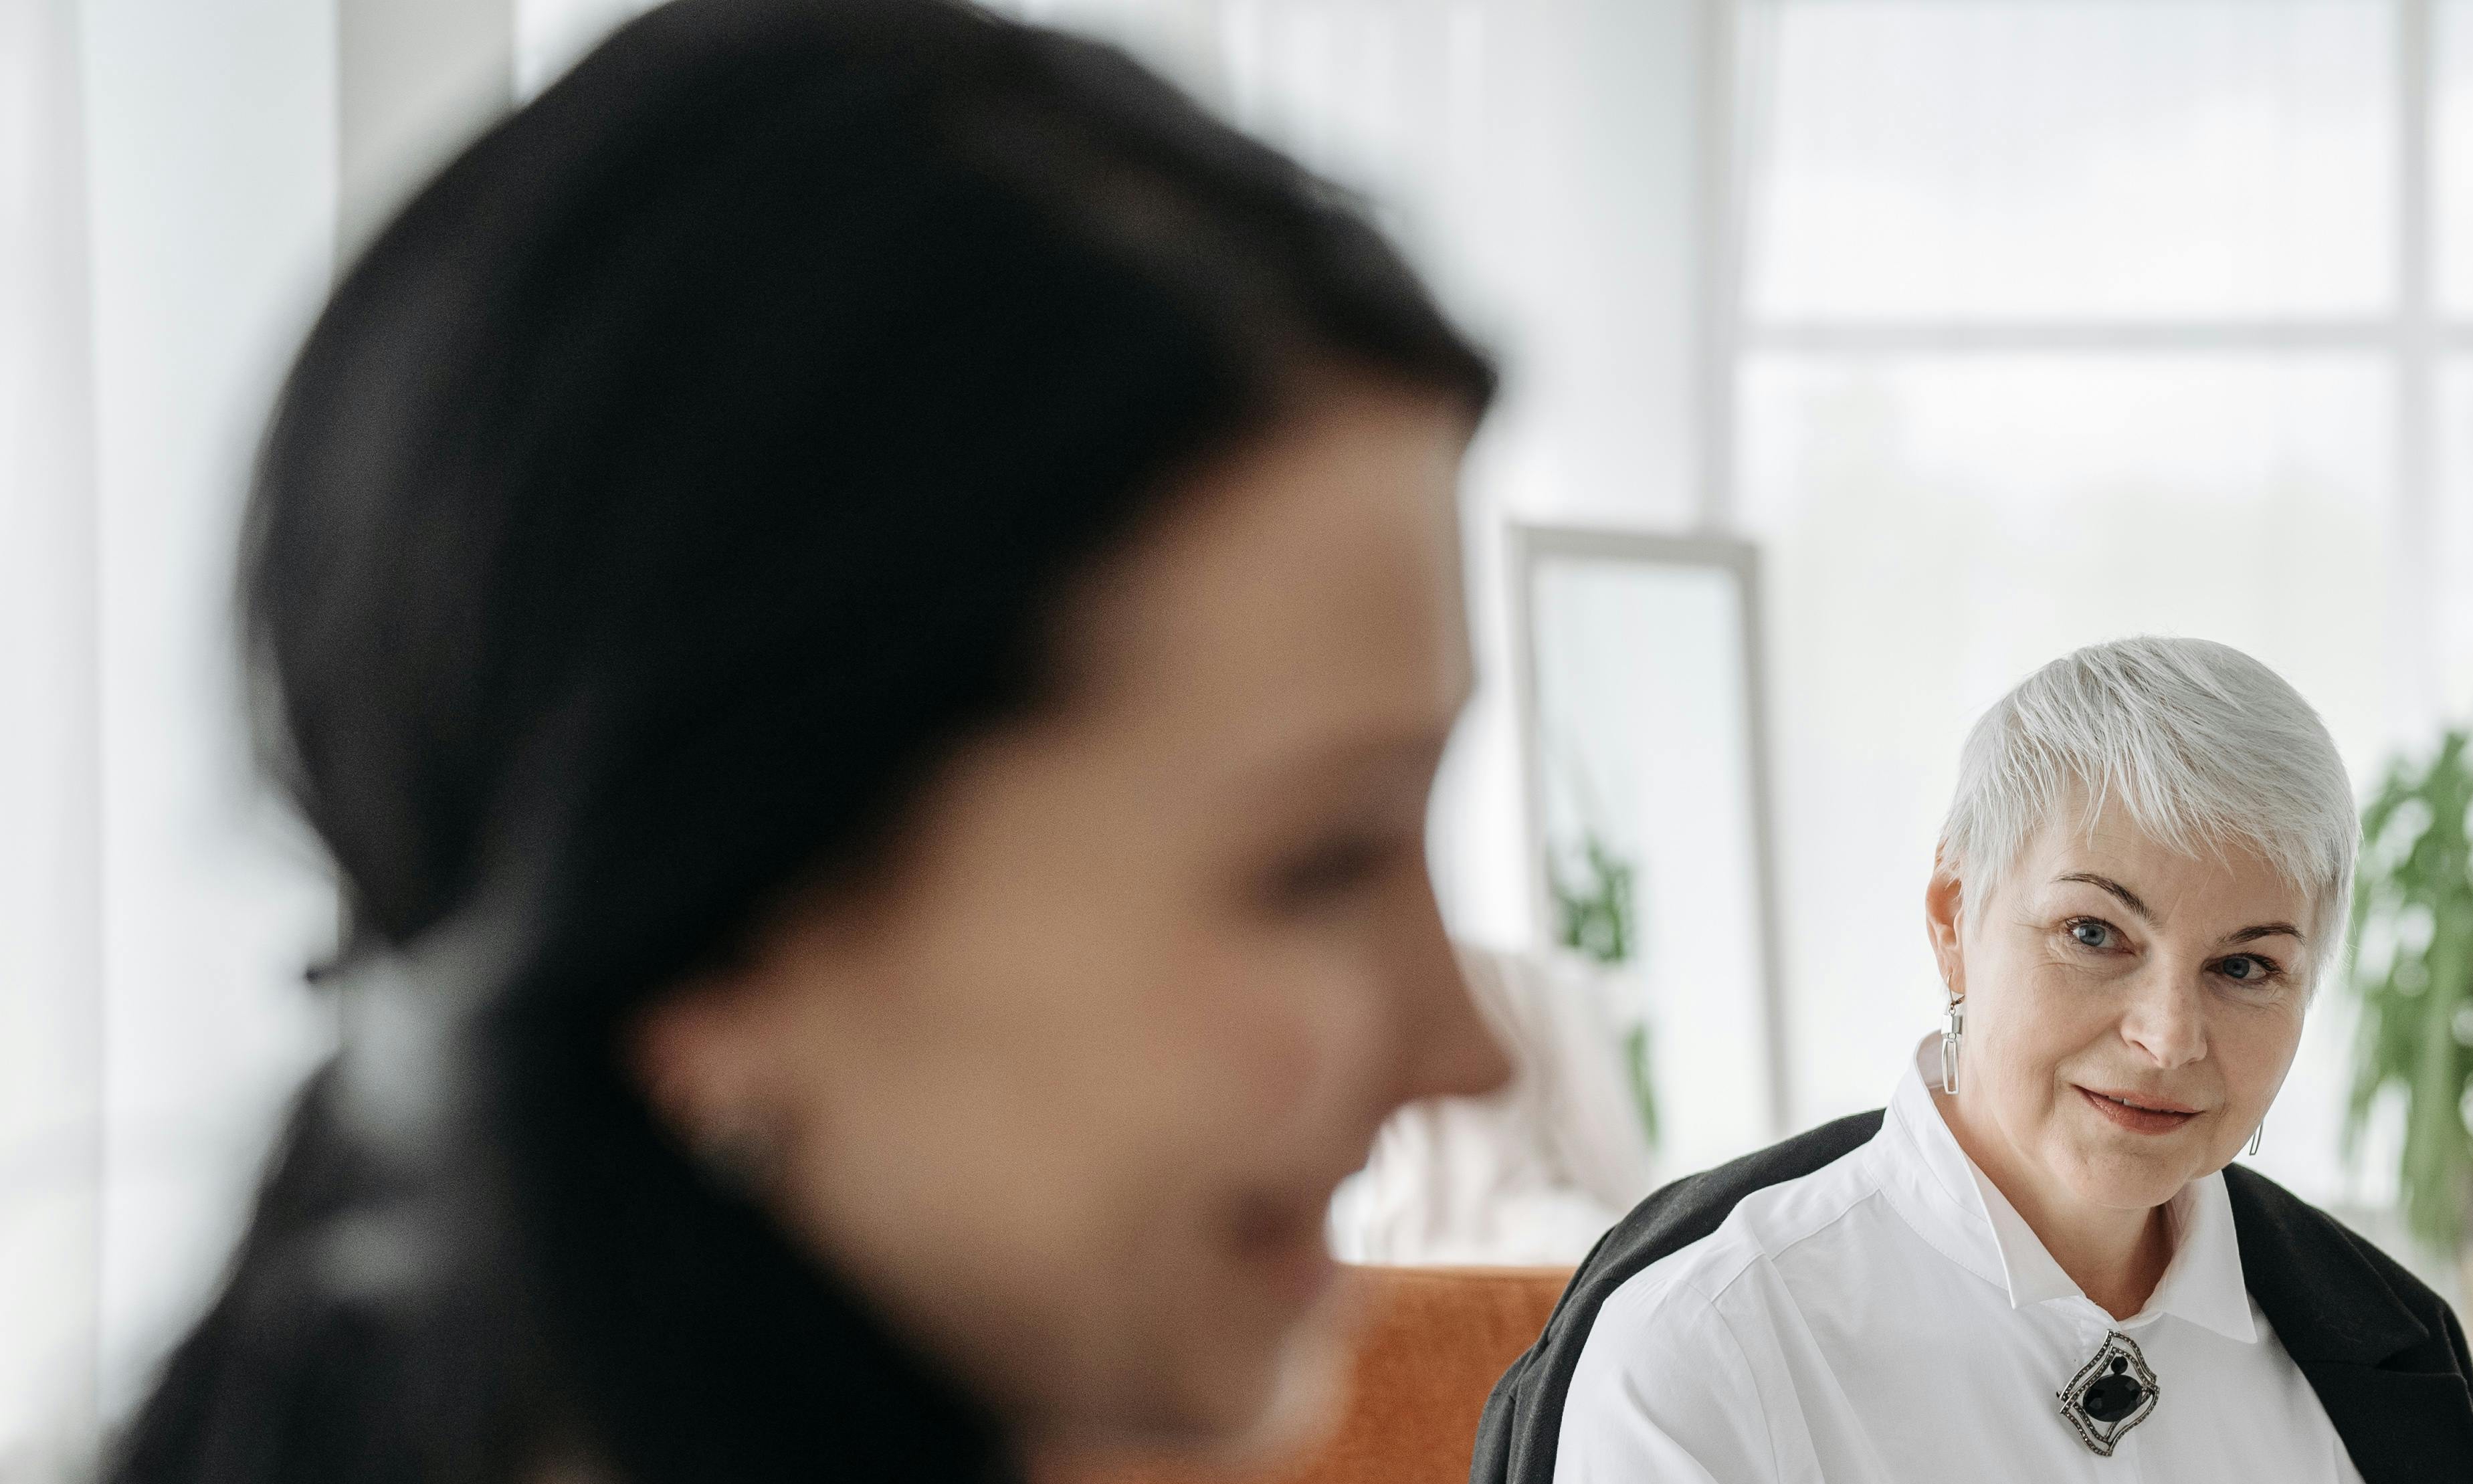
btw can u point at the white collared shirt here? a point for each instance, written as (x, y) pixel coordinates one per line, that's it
(1890, 1319)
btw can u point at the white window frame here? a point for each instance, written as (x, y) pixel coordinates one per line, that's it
(2412, 340)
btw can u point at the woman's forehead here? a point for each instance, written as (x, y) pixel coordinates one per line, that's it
(2118, 849)
(1316, 574)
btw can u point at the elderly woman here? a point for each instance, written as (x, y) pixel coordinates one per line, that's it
(2038, 1262)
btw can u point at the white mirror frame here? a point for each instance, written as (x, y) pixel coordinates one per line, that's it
(1526, 546)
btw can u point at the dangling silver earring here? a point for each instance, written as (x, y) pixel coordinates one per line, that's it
(1953, 1032)
(2256, 1134)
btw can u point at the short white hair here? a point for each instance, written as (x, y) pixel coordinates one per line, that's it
(2200, 745)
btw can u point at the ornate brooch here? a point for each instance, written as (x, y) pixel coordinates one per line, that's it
(2111, 1394)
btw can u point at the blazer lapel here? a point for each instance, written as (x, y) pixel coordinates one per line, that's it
(2384, 1356)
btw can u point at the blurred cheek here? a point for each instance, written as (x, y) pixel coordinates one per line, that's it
(1238, 1056)
(1292, 1031)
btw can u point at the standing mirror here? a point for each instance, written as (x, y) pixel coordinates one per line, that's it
(1642, 745)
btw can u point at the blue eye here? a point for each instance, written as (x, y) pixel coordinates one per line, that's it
(2247, 968)
(2091, 934)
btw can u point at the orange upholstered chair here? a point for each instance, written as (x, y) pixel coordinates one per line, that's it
(1430, 1346)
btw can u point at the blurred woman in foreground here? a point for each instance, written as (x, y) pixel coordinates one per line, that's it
(866, 601)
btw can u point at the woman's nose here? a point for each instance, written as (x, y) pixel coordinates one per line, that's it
(1463, 1057)
(2166, 1019)
(1451, 1050)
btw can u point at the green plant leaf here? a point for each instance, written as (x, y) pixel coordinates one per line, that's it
(1596, 916)
(2416, 867)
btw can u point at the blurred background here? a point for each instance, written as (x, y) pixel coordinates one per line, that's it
(1862, 356)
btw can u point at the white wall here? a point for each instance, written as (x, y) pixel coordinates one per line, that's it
(413, 82)
(551, 35)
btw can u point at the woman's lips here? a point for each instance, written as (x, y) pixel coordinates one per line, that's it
(2138, 1112)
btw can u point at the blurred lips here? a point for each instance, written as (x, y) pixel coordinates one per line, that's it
(2141, 1112)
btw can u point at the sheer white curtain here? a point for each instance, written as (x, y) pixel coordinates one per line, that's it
(172, 177)
(167, 187)
(50, 856)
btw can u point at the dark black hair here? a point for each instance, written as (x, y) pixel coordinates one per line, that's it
(681, 475)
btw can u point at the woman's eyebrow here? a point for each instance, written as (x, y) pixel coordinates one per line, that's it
(2107, 885)
(2130, 899)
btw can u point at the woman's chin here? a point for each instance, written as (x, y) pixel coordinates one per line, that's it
(1276, 1379)
(1305, 1391)
(2102, 1173)
(1238, 1399)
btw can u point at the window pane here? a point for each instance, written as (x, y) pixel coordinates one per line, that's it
(2027, 157)
(1937, 527)
(2452, 153)
(2453, 526)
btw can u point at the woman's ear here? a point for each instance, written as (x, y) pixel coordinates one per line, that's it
(729, 1061)
(1944, 907)
(699, 1057)
(694, 1055)
(707, 1053)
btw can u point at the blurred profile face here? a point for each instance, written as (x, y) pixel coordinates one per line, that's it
(1066, 1092)
(2130, 1012)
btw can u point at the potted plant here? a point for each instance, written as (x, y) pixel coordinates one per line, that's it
(1595, 917)
(2411, 966)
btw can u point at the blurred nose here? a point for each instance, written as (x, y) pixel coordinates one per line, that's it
(2166, 1019)
(1450, 1050)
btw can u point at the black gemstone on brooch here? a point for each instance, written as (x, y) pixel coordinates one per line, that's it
(2112, 1393)
(2114, 1397)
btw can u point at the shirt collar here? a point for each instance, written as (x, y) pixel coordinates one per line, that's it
(1964, 1216)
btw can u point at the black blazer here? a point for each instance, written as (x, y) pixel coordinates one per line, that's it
(2386, 1355)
